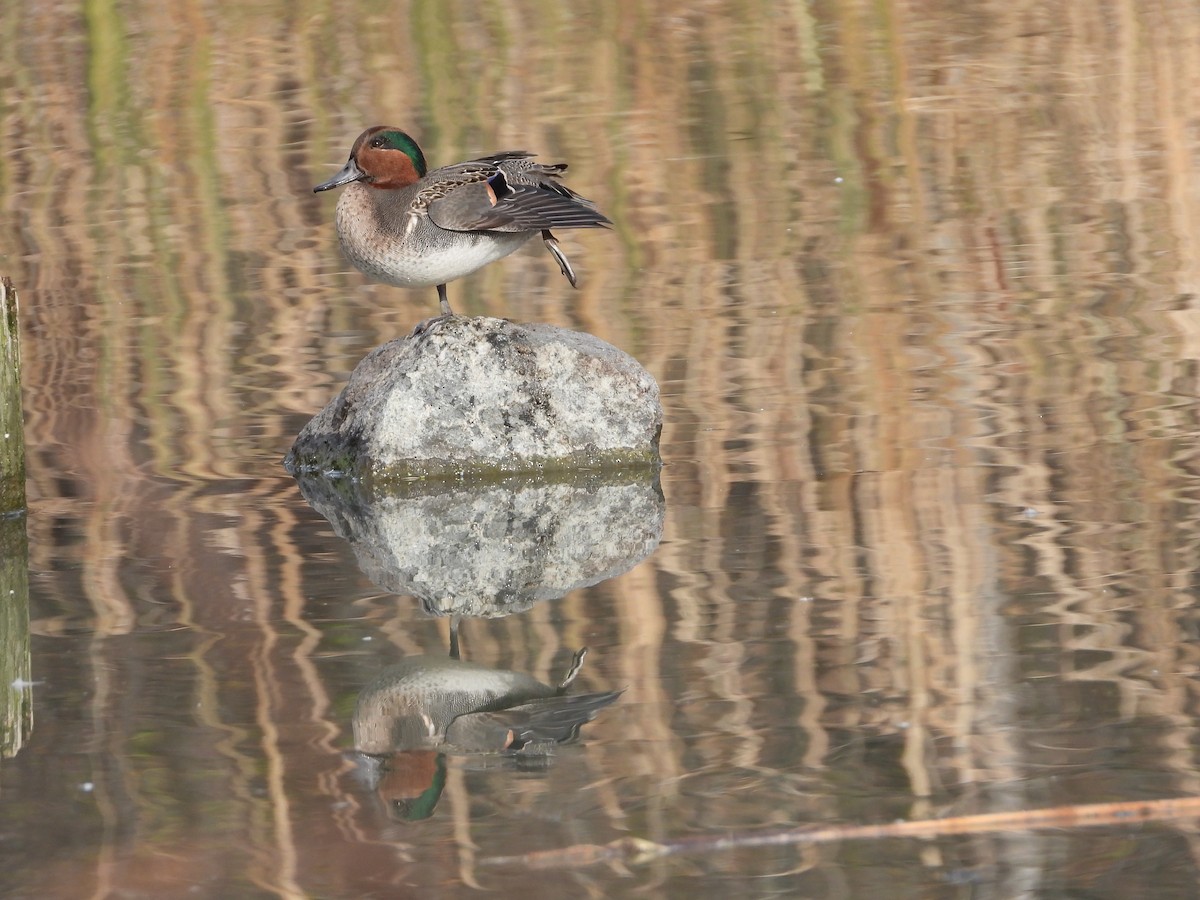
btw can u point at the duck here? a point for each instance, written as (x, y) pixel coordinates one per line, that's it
(404, 225)
(448, 704)
(418, 710)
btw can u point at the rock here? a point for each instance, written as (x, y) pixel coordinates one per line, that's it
(484, 395)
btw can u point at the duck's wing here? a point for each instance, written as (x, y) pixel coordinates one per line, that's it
(506, 192)
(549, 720)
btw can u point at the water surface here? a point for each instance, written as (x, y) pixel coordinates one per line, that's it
(919, 286)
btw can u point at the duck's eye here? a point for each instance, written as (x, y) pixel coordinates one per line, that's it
(377, 143)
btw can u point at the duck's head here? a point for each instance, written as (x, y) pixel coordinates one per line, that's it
(383, 157)
(411, 785)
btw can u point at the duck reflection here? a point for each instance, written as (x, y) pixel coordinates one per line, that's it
(416, 712)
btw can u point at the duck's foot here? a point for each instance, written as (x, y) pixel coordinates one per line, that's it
(425, 325)
(556, 251)
(447, 313)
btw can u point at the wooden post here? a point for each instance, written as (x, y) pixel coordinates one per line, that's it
(16, 700)
(12, 431)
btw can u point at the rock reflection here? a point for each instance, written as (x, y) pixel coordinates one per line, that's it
(492, 549)
(480, 550)
(417, 711)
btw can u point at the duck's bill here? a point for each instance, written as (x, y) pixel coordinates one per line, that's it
(350, 172)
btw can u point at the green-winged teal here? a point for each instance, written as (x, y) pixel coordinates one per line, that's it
(415, 712)
(427, 702)
(404, 225)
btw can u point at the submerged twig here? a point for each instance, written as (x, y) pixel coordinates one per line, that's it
(637, 851)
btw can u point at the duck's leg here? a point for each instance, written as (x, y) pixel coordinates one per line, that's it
(424, 325)
(455, 651)
(556, 252)
(576, 665)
